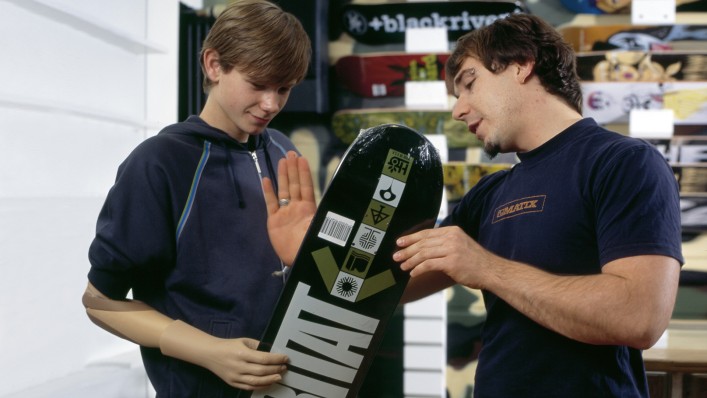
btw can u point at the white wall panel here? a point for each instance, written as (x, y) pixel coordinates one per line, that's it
(429, 358)
(424, 352)
(423, 384)
(60, 155)
(82, 83)
(44, 333)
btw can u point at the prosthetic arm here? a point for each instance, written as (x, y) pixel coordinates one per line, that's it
(236, 361)
(138, 322)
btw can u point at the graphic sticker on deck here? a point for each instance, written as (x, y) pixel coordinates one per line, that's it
(351, 281)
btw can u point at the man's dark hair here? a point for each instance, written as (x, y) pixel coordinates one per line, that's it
(522, 38)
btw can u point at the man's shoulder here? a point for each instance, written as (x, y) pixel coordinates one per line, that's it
(606, 144)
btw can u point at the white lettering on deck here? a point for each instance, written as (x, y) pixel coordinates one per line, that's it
(335, 361)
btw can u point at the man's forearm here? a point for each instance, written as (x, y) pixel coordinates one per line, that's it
(631, 307)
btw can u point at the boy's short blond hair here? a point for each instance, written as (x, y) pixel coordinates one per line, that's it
(260, 40)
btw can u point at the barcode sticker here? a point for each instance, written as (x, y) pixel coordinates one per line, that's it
(336, 229)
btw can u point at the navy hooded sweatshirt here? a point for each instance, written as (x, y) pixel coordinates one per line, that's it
(184, 227)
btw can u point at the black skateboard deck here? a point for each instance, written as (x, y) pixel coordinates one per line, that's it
(344, 285)
(385, 23)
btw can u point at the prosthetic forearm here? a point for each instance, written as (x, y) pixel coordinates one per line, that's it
(138, 322)
(236, 361)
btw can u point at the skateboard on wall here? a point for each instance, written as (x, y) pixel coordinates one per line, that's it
(612, 102)
(645, 66)
(688, 158)
(347, 123)
(677, 37)
(683, 149)
(624, 6)
(459, 177)
(344, 286)
(386, 23)
(692, 180)
(693, 213)
(385, 74)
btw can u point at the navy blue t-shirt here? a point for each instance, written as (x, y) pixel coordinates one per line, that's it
(586, 197)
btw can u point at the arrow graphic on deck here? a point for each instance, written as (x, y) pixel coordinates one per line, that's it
(350, 287)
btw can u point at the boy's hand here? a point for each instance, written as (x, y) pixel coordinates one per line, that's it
(290, 211)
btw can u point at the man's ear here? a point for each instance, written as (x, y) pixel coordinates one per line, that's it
(524, 71)
(212, 64)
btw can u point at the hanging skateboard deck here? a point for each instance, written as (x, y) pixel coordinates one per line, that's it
(684, 150)
(612, 102)
(678, 37)
(344, 285)
(385, 74)
(693, 213)
(692, 180)
(624, 6)
(460, 177)
(688, 158)
(385, 23)
(645, 66)
(346, 122)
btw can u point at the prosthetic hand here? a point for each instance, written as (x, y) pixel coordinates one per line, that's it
(235, 361)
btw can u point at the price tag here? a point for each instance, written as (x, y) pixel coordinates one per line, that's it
(651, 123)
(652, 12)
(426, 94)
(426, 40)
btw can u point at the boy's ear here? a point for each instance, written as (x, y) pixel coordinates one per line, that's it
(524, 71)
(212, 65)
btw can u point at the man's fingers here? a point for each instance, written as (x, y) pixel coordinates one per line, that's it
(408, 240)
(410, 253)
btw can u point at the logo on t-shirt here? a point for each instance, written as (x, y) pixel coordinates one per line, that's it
(527, 205)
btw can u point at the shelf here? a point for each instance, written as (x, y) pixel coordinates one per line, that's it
(47, 106)
(86, 23)
(681, 18)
